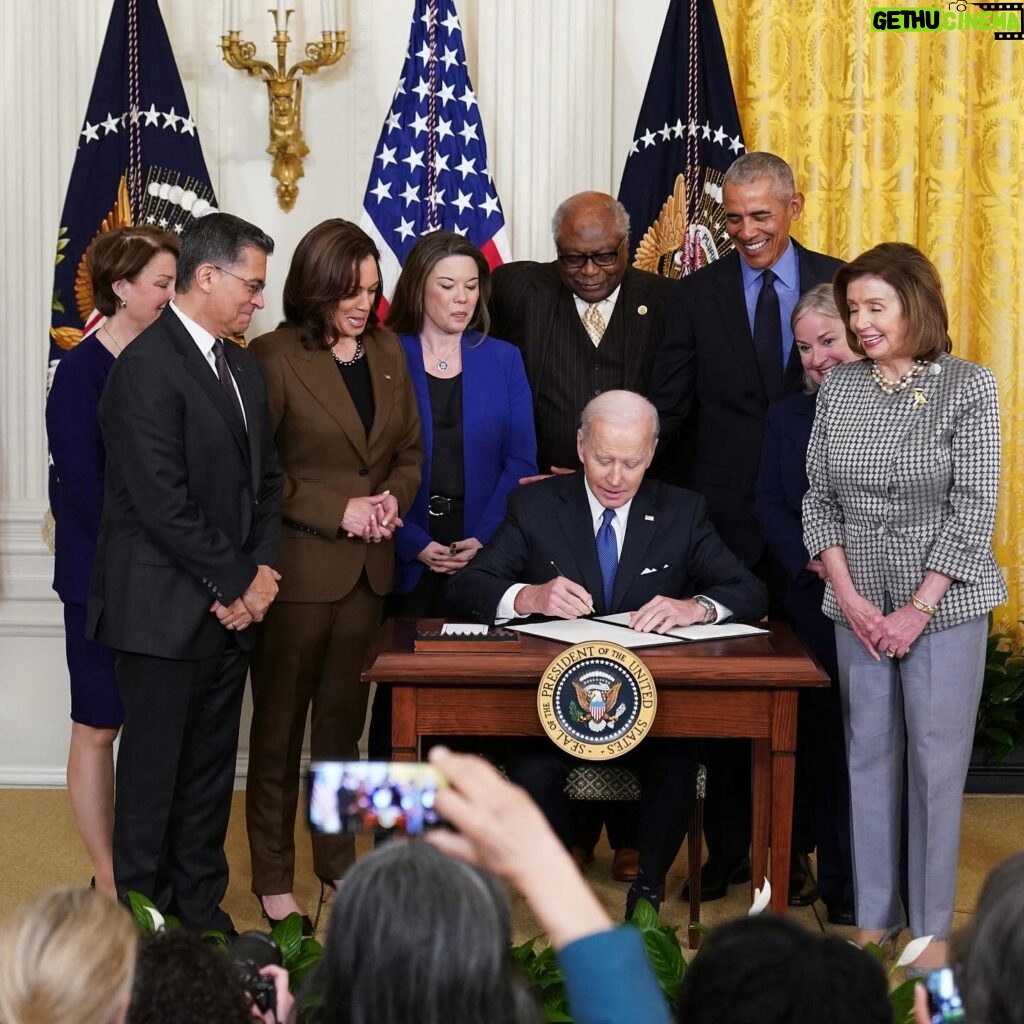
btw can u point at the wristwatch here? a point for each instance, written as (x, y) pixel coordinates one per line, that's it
(710, 611)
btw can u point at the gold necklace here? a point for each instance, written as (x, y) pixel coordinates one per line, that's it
(892, 387)
(442, 361)
(110, 335)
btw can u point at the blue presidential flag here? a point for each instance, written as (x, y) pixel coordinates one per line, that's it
(687, 135)
(430, 166)
(138, 161)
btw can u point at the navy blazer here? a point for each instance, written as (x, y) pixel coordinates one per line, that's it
(498, 438)
(76, 448)
(670, 550)
(778, 509)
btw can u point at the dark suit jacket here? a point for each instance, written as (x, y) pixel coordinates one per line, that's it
(192, 501)
(76, 447)
(531, 308)
(327, 458)
(706, 365)
(778, 503)
(498, 444)
(668, 530)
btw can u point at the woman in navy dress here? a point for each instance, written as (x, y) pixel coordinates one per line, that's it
(476, 414)
(133, 272)
(822, 786)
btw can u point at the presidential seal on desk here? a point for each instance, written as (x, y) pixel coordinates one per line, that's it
(597, 701)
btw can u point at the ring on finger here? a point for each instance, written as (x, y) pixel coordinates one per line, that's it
(890, 653)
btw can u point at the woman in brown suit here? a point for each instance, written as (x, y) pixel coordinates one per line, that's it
(348, 437)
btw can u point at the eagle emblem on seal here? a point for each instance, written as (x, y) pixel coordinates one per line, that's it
(597, 693)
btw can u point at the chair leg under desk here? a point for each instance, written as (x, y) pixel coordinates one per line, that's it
(695, 836)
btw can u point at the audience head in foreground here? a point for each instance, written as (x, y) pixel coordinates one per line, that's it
(66, 957)
(416, 935)
(770, 970)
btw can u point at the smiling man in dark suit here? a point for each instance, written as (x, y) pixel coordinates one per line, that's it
(606, 540)
(728, 352)
(585, 323)
(190, 530)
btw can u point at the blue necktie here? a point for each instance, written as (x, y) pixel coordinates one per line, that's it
(607, 555)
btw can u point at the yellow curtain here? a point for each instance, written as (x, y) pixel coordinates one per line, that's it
(905, 136)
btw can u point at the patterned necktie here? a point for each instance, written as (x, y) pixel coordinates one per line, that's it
(226, 383)
(768, 335)
(607, 555)
(594, 322)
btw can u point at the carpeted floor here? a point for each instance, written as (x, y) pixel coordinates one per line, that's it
(39, 848)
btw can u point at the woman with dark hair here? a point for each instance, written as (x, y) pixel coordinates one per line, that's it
(822, 800)
(478, 433)
(476, 411)
(133, 272)
(348, 438)
(903, 465)
(417, 936)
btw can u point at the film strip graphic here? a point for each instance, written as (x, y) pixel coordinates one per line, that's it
(1017, 7)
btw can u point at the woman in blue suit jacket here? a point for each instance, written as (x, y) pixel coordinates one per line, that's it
(473, 395)
(477, 420)
(820, 338)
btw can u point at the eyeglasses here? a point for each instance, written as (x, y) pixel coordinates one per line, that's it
(578, 260)
(255, 287)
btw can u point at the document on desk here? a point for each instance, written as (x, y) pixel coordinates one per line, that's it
(691, 634)
(581, 631)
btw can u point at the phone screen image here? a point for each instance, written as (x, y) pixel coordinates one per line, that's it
(944, 1001)
(350, 797)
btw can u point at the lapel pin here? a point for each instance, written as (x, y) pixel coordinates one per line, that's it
(642, 310)
(387, 376)
(648, 519)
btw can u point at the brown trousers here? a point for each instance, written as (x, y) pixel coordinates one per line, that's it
(306, 654)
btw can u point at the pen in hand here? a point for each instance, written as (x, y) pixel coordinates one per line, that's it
(558, 572)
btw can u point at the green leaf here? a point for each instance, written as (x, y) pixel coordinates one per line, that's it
(218, 939)
(644, 915)
(666, 958)
(55, 304)
(140, 907)
(288, 935)
(901, 999)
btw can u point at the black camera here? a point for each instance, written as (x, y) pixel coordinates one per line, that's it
(250, 952)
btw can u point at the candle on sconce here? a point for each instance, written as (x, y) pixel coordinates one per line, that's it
(325, 14)
(282, 15)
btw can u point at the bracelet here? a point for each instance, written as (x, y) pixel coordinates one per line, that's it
(923, 606)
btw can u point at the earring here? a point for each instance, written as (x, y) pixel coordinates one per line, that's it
(121, 302)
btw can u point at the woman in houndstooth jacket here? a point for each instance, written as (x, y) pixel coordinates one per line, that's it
(903, 467)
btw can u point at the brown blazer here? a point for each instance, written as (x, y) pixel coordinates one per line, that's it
(327, 459)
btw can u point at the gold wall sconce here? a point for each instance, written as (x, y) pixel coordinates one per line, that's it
(284, 87)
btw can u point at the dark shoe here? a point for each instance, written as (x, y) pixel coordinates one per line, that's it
(581, 857)
(626, 865)
(842, 912)
(803, 890)
(715, 880)
(307, 924)
(639, 890)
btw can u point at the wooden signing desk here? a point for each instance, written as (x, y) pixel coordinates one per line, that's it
(745, 689)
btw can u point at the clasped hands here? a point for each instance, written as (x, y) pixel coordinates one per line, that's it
(372, 518)
(563, 598)
(446, 558)
(892, 635)
(253, 604)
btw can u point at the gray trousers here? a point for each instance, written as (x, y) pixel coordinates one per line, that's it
(926, 701)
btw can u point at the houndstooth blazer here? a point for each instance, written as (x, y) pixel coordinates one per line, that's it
(906, 483)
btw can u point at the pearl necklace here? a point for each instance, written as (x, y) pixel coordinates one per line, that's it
(355, 358)
(892, 387)
(442, 361)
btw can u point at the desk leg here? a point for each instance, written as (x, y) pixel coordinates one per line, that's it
(783, 777)
(404, 741)
(761, 815)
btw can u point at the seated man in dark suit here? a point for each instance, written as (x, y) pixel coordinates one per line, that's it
(604, 529)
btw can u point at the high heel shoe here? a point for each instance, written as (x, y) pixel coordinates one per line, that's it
(325, 884)
(308, 927)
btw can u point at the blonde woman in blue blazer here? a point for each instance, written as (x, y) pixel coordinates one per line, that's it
(477, 420)
(903, 467)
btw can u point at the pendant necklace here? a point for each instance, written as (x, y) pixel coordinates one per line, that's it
(442, 361)
(110, 335)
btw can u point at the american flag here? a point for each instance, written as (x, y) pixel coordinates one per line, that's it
(430, 166)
